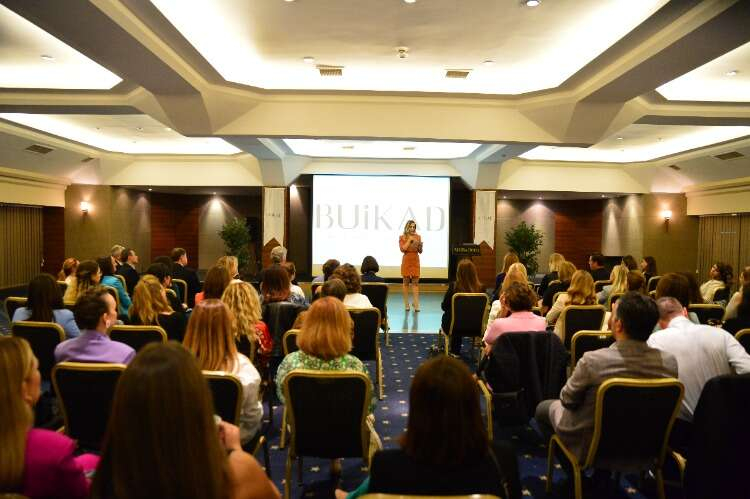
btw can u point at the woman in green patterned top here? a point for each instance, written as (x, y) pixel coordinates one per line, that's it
(324, 342)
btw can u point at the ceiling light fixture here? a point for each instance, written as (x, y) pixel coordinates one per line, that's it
(488, 62)
(167, 129)
(47, 57)
(150, 189)
(287, 1)
(402, 52)
(732, 72)
(410, 1)
(533, 3)
(308, 59)
(140, 128)
(619, 138)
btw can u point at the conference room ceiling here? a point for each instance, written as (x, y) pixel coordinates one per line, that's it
(562, 81)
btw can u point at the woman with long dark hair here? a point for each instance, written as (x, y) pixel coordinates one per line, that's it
(466, 281)
(45, 304)
(109, 279)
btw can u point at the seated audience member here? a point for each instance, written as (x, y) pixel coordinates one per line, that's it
(629, 262)
(87, 276)
(116, 254)
(648, 267)
(163, 394)
(182, 272)
(741, 320)
(332, 287)
(597, 267)
(151, 308)
(580, 292)
(572, 416)
(68, 271)
(445, 450)
(232, 265)
(210, 336)
(292, 271)
(370, 269)
(619, 278)
(128, 270)
(676, 285)
(466, 281)
(694, 290)
(243, 302)
(519, 299)
(108, 279)
(516, 273)
(731, 311)
(278, 255)
(45, 304)
(350, 277)
(635, 281)
(702, 352)
(276, 286)
(555, 260)
(509, 259)
(565, 274)
(95, 311)
(217, 280)
(720, 277)
(34, 462)
(328, 267)
(324, 342)
(163, 274)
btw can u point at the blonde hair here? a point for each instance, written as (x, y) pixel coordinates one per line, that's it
(516, 273)
(509, 259)
(16, 366)
(230, 263)
(327, 330)
(555, 260)
(566, 271)
(406, 227)
(149, 300)
(83, 280)
(242, 300)
(619, 276)
(581, 290)
(209, 336)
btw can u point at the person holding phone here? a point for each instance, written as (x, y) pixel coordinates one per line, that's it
(410, 244)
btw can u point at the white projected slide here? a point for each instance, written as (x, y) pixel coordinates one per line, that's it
(356, 216)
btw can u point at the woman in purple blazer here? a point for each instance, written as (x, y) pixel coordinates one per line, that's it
(35, 463)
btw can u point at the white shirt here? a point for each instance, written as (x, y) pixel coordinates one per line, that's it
(703, 352)
(251, 412)
(298, 291)
(709, 289)
(357, 300)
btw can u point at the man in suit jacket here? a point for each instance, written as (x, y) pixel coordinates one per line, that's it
(572, 416)
(190, 276)
(116, 254)
(598, 270)
(128, 270)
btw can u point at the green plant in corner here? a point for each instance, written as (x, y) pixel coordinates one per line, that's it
(236, 237)
(526, 241)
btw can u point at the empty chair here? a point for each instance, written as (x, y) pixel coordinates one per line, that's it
(365, 345)
(743, 336)
(468, 317)
(633, 420)
(85, 392)
(377, 292)
(43, 338)
(707, 312)
(587, 341)
(13, 303)
(137, 336)
(580, 318)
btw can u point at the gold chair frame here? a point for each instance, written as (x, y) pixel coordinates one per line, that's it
(613, 297)
(706, 306)
(564, 314)
(378, 355)
(581, 334)
(113, 291)
(223, 375)
(21, 300)
(448, 336)
(183, 287)
(603, 282)
(384, 317)
(122, 280)
(135, 329)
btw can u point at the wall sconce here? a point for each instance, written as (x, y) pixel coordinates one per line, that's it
(666, 215)
(85, 207)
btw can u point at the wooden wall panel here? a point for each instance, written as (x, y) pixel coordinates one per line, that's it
(53, 238)
(174, 223)
(578, 230)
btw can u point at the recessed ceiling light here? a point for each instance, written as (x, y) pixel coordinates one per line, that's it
(540, 198)
(732, 72)
(659, 139)
(167, 129)
(140, 128)
(505, 197)
(488, 62)
(47, 57)
(150, 189)
(410, 1)
(604, 196)
(533, 3)
(287, 1)
(402, 52)
(619, 138)
(308, 59)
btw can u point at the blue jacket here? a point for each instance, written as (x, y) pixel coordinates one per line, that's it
(110, 280)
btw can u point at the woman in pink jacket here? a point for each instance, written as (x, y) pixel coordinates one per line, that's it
(519, 299)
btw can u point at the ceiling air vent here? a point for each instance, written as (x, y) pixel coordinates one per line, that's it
(729, 155)
(331, 70)
(37, 149)
(457, 73)
(675, 167)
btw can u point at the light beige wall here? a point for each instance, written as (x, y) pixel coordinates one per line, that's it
(719, 197)
(131, 222)
(26, 188)
(214, 214)
(622, 226)
(511, 212)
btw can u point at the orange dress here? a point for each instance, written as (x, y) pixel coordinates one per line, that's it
(410, 261)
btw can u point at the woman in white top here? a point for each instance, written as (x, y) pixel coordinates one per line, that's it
(354, 298)
(580, 292)
(292, 271)
(210, 336)
(720, 277)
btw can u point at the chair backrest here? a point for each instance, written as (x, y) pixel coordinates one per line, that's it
(112, 291)
(612, 298)
(247, 347)
(721, 294)
(63, 287)
(280, 317)
(468, 314)
(580, 318)
(401, 496)
(43, 338)
(707, 311)
(554, 281)
(314, 289)
(122, 280)
(377, 292)
(138, 336)
(652, 283)
(86, 392)
(633, 419)
(536, 311)
(743, 336)
(599, 285)
(182, 285)
(290, 341)
(652, 294)
(366, 327)
(171, 292)
(13, 303)
(226, 390)
(556, 296)
(327, 412)
(588, 341)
